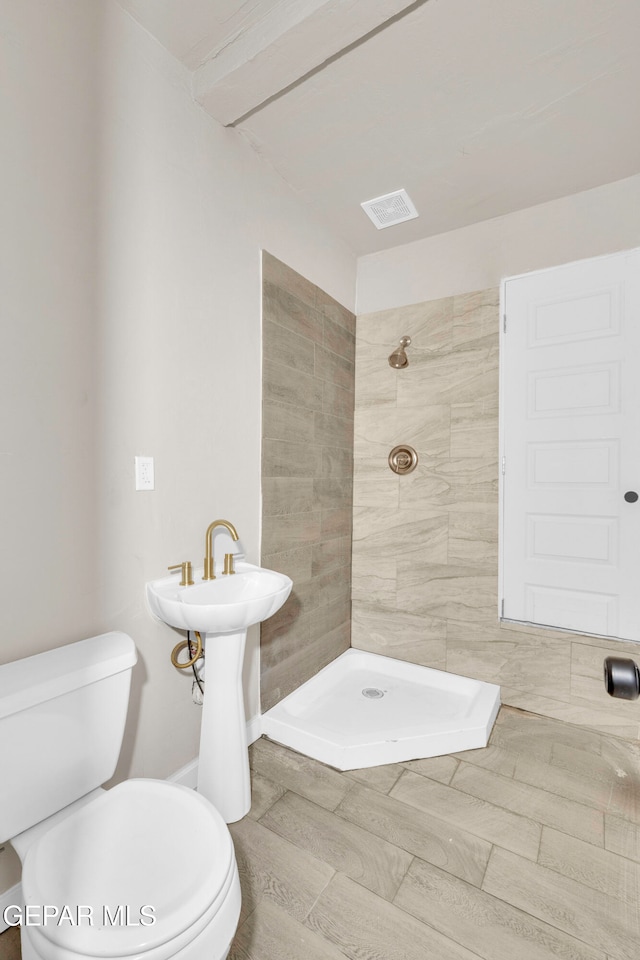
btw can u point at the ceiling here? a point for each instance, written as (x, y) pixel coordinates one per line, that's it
(476, 107)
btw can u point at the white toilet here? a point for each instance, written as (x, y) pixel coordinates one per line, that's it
(145, 871)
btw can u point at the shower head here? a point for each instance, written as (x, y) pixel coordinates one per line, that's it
(398, 358)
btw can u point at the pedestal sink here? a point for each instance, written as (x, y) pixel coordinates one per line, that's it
(221, 610)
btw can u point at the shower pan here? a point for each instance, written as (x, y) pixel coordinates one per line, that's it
(364, 710)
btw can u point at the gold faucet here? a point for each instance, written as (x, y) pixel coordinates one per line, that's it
(209, 573)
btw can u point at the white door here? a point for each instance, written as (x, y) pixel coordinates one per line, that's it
(571, 447)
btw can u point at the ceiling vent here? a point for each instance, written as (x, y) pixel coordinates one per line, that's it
(392, 208)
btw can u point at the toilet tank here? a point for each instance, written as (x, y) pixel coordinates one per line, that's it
(62, 716)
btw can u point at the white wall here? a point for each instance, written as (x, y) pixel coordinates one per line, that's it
(585, 224)
(131, 325)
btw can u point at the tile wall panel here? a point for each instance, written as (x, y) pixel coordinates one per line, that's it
(307, 475)
(425, 546)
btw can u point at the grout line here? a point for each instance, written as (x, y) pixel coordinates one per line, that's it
(542, 828)
(246, 920)
(330, 880)
(605, 830)
(486, 867)
(414, 857)
(387, 793)
(271, 805)
(492, 852)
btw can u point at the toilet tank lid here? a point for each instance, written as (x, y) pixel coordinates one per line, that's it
(25, 683)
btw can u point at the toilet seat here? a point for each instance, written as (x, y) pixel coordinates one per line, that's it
(143, 843)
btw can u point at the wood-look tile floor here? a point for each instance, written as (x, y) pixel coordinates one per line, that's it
(526, 850)
(10, 944)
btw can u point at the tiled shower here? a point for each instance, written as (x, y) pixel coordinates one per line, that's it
(422, 568)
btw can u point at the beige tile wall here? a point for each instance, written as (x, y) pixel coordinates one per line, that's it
(307, 475)
(425, 546)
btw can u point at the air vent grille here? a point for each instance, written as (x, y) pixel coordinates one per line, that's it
(392, 208)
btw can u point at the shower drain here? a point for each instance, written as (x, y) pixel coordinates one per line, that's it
(372, 693)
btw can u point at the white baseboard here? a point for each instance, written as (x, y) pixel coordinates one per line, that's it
(254, 728)
(9, 898)
(187, 776)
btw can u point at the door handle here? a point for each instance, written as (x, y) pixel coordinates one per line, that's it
(631, 496)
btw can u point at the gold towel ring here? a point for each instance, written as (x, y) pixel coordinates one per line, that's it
(180, 646)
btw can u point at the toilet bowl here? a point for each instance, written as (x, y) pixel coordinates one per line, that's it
(150, 864)
(144, 870)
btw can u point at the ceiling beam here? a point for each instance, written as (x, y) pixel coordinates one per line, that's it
(293, 40)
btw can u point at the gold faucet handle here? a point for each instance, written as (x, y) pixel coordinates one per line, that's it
(187, 573)
(228, 563)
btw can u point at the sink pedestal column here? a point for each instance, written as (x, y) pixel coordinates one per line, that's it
(223, 764)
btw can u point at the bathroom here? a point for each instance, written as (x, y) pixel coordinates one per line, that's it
(134, 291)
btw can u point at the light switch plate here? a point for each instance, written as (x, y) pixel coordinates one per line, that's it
(144, 473)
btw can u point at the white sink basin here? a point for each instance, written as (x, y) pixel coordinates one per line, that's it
(224, 605)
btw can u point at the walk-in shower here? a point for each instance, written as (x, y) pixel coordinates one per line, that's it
(361, 709)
